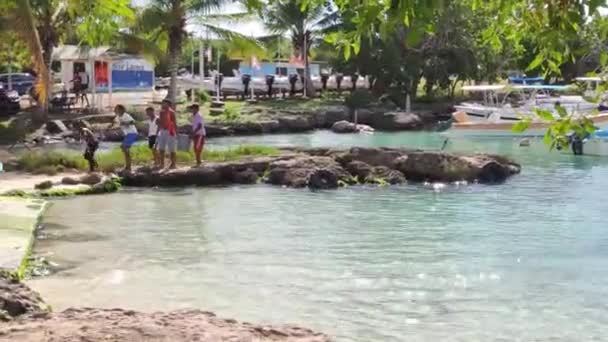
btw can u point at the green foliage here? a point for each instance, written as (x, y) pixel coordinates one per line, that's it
(202, 96)
(231, 114)
(50, 162)
(359, 98)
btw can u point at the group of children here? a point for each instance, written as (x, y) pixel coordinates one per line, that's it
(162, 135)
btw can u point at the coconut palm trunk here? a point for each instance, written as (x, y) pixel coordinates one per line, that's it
(26, 28)
(176, 32)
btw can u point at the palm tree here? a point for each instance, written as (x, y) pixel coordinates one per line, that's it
(20, 18)
(163, 22)
(42, 24)
(304, 24)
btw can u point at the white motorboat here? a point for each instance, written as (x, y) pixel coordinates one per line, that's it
(508, 103)
(594, 145)
(462, 126)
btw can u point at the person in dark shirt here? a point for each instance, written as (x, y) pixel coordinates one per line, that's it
(92, 145)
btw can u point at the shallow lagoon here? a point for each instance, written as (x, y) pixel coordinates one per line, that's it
(520, 261)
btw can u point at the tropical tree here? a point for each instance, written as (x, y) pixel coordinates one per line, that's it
(161, 26)
(305, 25)
(42, 25)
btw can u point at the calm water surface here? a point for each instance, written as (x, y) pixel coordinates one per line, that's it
(522, 261)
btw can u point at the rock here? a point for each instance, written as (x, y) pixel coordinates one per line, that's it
(44, 185)
(323, 179)
(17, 299)
(295, 172)
(349, 127)
(445, 167)
(91, 178)
(372, 156)
(90, 324)
(361, 128)
(324, 168)
(246, 177)
(255, 127)
(524, 142)
(359, 169)
(344, 127)
(295, 124)
(384, 173)
(396, 121)
(217, 130)
(70, 181)
(334, 114)
(368, 174)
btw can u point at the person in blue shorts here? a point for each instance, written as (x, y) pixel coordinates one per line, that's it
(127, 125)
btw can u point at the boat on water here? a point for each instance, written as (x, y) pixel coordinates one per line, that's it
(461, 125)
(508, 103)
(594, 145)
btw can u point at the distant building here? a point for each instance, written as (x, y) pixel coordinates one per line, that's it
(105, 66)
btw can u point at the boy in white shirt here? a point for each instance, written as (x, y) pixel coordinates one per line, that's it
(127, 124)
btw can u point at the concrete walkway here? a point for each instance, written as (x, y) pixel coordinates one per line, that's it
(18, 220)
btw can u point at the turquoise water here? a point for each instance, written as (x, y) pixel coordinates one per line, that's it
(522, 261)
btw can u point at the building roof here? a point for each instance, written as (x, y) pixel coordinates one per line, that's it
(84, 53)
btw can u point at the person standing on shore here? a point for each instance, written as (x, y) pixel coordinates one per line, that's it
(198, 132)
(127, 124)
(92, 145)
(152, 133)
(167, 134)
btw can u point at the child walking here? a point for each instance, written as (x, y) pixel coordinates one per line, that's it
(198, 132)
(92, 146)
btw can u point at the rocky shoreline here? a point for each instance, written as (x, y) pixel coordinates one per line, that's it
(330, 169)
(297, 121)
(25, 317)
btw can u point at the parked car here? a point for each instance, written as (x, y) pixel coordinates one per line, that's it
(9, 102)
(22, 82)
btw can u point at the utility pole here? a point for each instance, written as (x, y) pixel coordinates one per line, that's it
(10, 69)
(305, 67)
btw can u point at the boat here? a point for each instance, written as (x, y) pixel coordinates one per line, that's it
(595, 144)
(462, 126)
(508, 103)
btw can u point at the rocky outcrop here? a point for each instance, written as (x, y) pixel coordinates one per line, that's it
(27, 319)
(437, 166)
(296, 172)
(397, 121)
(89, 324)
(16, 299)
(349, 127)
(328, 168)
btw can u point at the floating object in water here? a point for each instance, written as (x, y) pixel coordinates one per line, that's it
(524, 142)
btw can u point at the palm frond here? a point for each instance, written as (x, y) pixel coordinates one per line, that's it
(25, 26)
(230, 17)
(207, 6)
(135, 44)
(238, 45)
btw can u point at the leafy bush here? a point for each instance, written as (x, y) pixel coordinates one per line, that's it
(359, 98)
(231, 114)
(202, 96)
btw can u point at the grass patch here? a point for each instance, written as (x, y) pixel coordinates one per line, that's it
(300, 104)
(52, 162)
